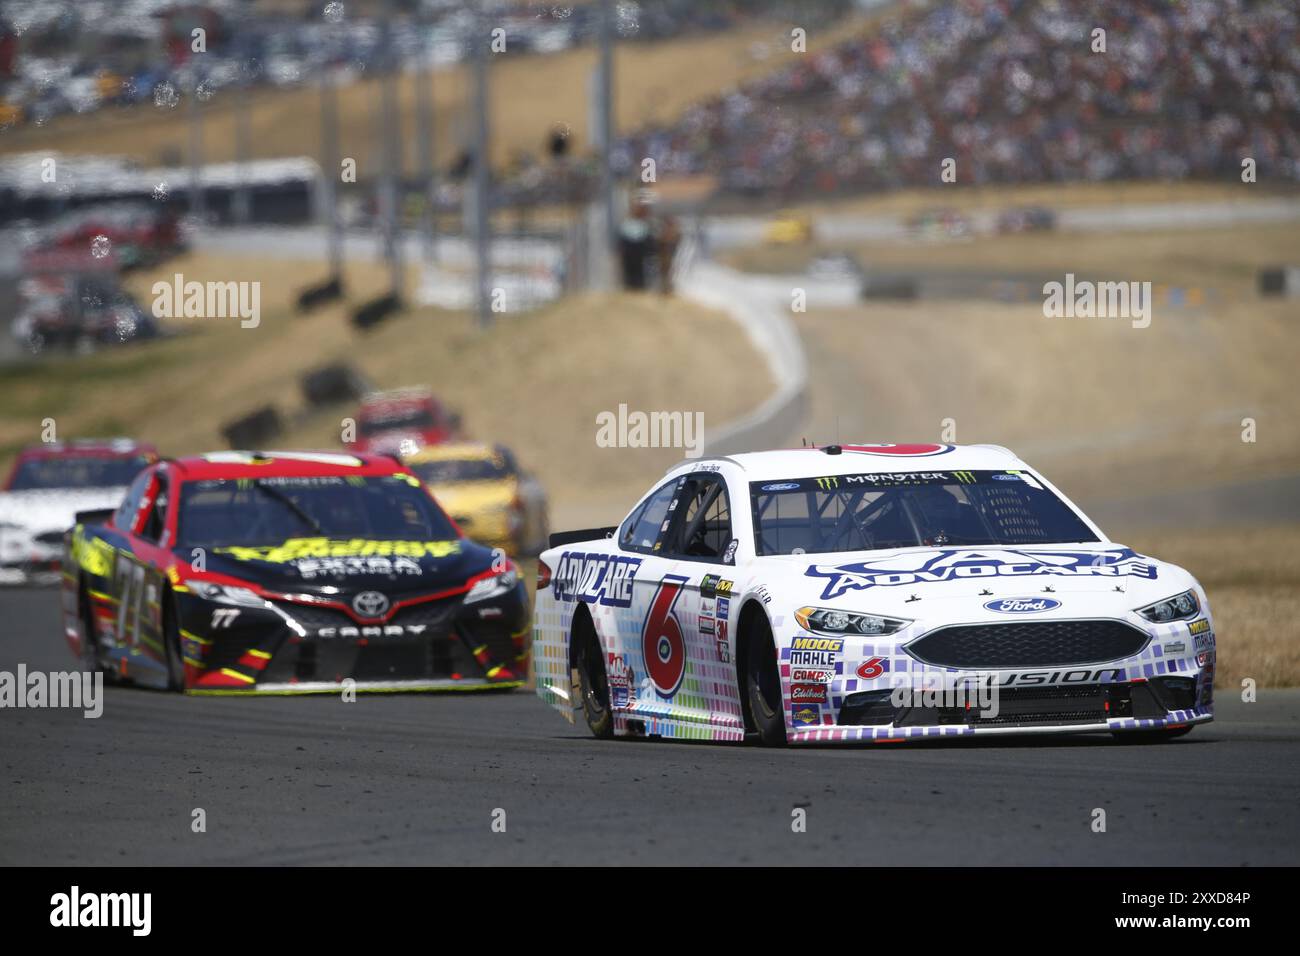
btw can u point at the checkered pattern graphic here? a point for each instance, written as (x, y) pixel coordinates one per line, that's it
(707, 705)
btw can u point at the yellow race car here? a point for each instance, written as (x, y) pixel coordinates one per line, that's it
(492, 499)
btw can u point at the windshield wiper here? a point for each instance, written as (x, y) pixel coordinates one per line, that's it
(292, 505)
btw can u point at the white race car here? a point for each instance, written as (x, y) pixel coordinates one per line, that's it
(46, 488)
(867, 593)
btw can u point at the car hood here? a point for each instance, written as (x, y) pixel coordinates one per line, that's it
(325, 566)
(473, 497)
(1099, 579)
(54, 509)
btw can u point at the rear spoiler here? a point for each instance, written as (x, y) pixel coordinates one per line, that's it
(99, 516)
(573, 537)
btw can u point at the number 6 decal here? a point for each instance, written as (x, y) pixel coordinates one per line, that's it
(663, 649)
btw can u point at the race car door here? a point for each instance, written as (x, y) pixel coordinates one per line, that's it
(661, 655)
(701, 545)
(137, 579)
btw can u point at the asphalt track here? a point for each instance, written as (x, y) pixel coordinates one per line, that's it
(416, 780)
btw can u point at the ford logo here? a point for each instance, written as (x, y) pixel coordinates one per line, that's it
(370, 604)
(1024, 605)
(781, 486)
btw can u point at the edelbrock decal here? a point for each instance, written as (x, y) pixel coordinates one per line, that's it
(1021, 605)
(955, 565)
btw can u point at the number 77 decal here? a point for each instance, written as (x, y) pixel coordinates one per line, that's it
(663, 649)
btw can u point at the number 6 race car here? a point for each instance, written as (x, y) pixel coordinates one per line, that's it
(290, 572)
(867, 593)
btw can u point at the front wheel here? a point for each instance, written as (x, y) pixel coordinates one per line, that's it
(172, 646)
(763, 686)
(89, 640)
(593, 683)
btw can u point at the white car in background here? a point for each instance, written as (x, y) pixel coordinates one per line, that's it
(47, 487)
(867, 593)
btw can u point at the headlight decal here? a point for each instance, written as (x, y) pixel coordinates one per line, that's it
(821, 620)
(1180, 607)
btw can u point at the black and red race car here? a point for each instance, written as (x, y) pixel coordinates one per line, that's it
(290, 572)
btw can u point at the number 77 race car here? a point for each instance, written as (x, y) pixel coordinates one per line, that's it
(867, 593)
(290, 572)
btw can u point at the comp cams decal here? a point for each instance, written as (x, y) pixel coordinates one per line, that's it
(956, 565)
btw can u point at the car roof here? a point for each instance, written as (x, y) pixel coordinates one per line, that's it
(89, 448)
(283, 464)
(816, 460)
(398, 397)
(453, 451)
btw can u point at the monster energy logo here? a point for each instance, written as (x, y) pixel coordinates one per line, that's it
(825, 483)
(965, 477)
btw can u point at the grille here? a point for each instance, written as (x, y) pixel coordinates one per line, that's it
(436, 615)
(1018, 706)
(1028, 644)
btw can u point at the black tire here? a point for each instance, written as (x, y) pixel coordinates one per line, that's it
(1149, 736)
(762, 685)
(89, 643)
(593, 681)
(172, 647)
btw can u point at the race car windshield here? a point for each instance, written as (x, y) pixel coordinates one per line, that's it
(224, 513)
(467, 469)
(881, 511)
(77, 471)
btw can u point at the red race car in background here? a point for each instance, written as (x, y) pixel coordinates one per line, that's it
(403, 421)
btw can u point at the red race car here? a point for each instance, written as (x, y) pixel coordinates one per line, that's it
(290, 572)
(403, 421)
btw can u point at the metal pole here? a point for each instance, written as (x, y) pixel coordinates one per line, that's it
(392, 143)
(482, 173)
(605, 113)
(243, 107)
(197, 207)
(330, 169)
(425, 143)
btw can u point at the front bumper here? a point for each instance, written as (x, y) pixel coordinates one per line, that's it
(1141, 704)
(884, 734)
(881, 690)
(298, 648)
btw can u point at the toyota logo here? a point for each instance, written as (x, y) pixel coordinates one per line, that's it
(370, 604)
